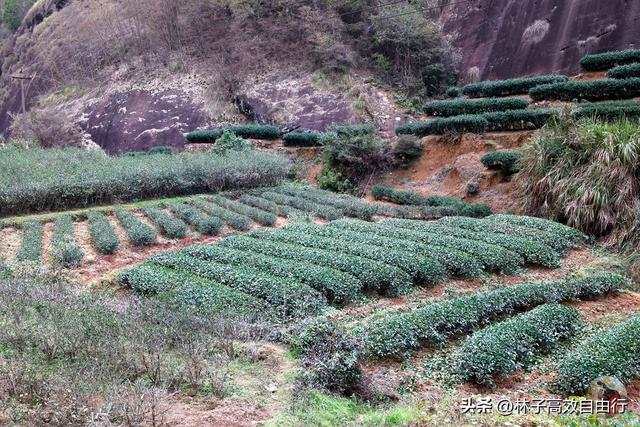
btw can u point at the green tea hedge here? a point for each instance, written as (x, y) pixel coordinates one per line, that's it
(258, 215)
(456, 107)
(139, 233)
(64, 248)
(518, 86)
(624, 71)
(433, 324)
(233, 219)
(103, 235)
(289, 298)
(350, 205)
(243, 131)
(169, 226)
(347, 130)
(518, 119)
(31, 246)
(373, 274)
(264, 204)
(515, 343)
(338, 287)
(453, 92)
(201, 222)
(321, 211)
(613, 352)
(302, 139)
(570, 234)
(504, 161)
(607, 60)
(589, 90)
(204, 136)
(608, 110)
(410, 198)
(456, 124)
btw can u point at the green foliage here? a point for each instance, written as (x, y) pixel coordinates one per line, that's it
(170, 227)
(301, 139)
(252, 131)
(103, 235)
(459, 106)
(258, 215)
(433, 324)
(515, 343)
(453, 92)
(230, 142)
(372, 274)
(607, 60)
(161, 149)
(231, 218)
(64, 249)
(139, 233)
(540, 224)
(407, 148)
(585, 173)
(289, 298)
(201, 222)
(204, 136)
(435, 78)
(35, 180)
(264, 204)
(11, 14)
(613, 352)
(450, 125)
(194, 292)
(518, 119)
(608, 110)
(589, 90)
(504, 161)
(31, 246)
(518, 86)
(338, 287)
(350, 205)
(321, 211)
(624, 71)
(332, 180)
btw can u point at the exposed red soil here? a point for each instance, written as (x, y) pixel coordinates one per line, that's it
(9, 242)
(231, 412)
(46, 242)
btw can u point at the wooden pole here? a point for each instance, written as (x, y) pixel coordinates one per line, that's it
(22, 94)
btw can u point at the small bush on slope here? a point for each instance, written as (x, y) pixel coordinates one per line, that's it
(203, 223)
(606, 60)
(139, 233)
(459, 106)
(31, 246)
(103, 235)
(64, 249)
(590, 90)
(171, 227)
(518, 86)
(505, 161)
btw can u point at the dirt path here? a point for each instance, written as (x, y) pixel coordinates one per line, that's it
(83, 239)
(46, 242)
(9, 243)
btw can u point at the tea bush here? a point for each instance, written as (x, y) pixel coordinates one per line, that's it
(566, 232)
(251, 131)
(450, 125)
(36, 180)
(301, 139)
(612, 352)
(607, 60)
(321, 211)
(204, 136)
(518, 119)
(608, 110)
(64, 248)
(518, 86)
(31, 246)
(337, 286)
(350, 205)
(103, 235)
(459, 106)
(504, 161)
(139, 233)
(410, 198)
(169, 226)
(515, 343)
(264, 204)
(589, 90)
(201, 222)
(258, 215)
(233, 219)
(624, 71)
(433, 324)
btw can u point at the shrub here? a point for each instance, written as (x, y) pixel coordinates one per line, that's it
(351, 131)
(624, 71)
(333, 180)
(58, 179)
(585, 173)
(518, 119)
(590, 90)
(258, 215)
(518, 86)
(514, 344)
(504, 161)
(264, 204)
(170, 227)
(453, 92)
(233, 219)
(325, 212)
(410, 198)
(203, 223)
(373, 274)
(407, 148)
(161, 149)
(456, 107)
(518, 240)
(450, 125)
(193, 291)
(350, 206)
(139, 233)
(103, 235)
(301, 139)
(608, 110)
(570, 234)
(31, 246)
(289, 298)
(607, 60)
(613, 352)
(204, 136)
(337, 286)
(432, 324)
(64, 249)
(256, 131)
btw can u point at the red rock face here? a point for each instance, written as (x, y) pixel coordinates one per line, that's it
(508, 38)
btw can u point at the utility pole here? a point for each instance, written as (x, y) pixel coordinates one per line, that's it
(22, 79)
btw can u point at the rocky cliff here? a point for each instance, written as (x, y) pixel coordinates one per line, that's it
(506, 38)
